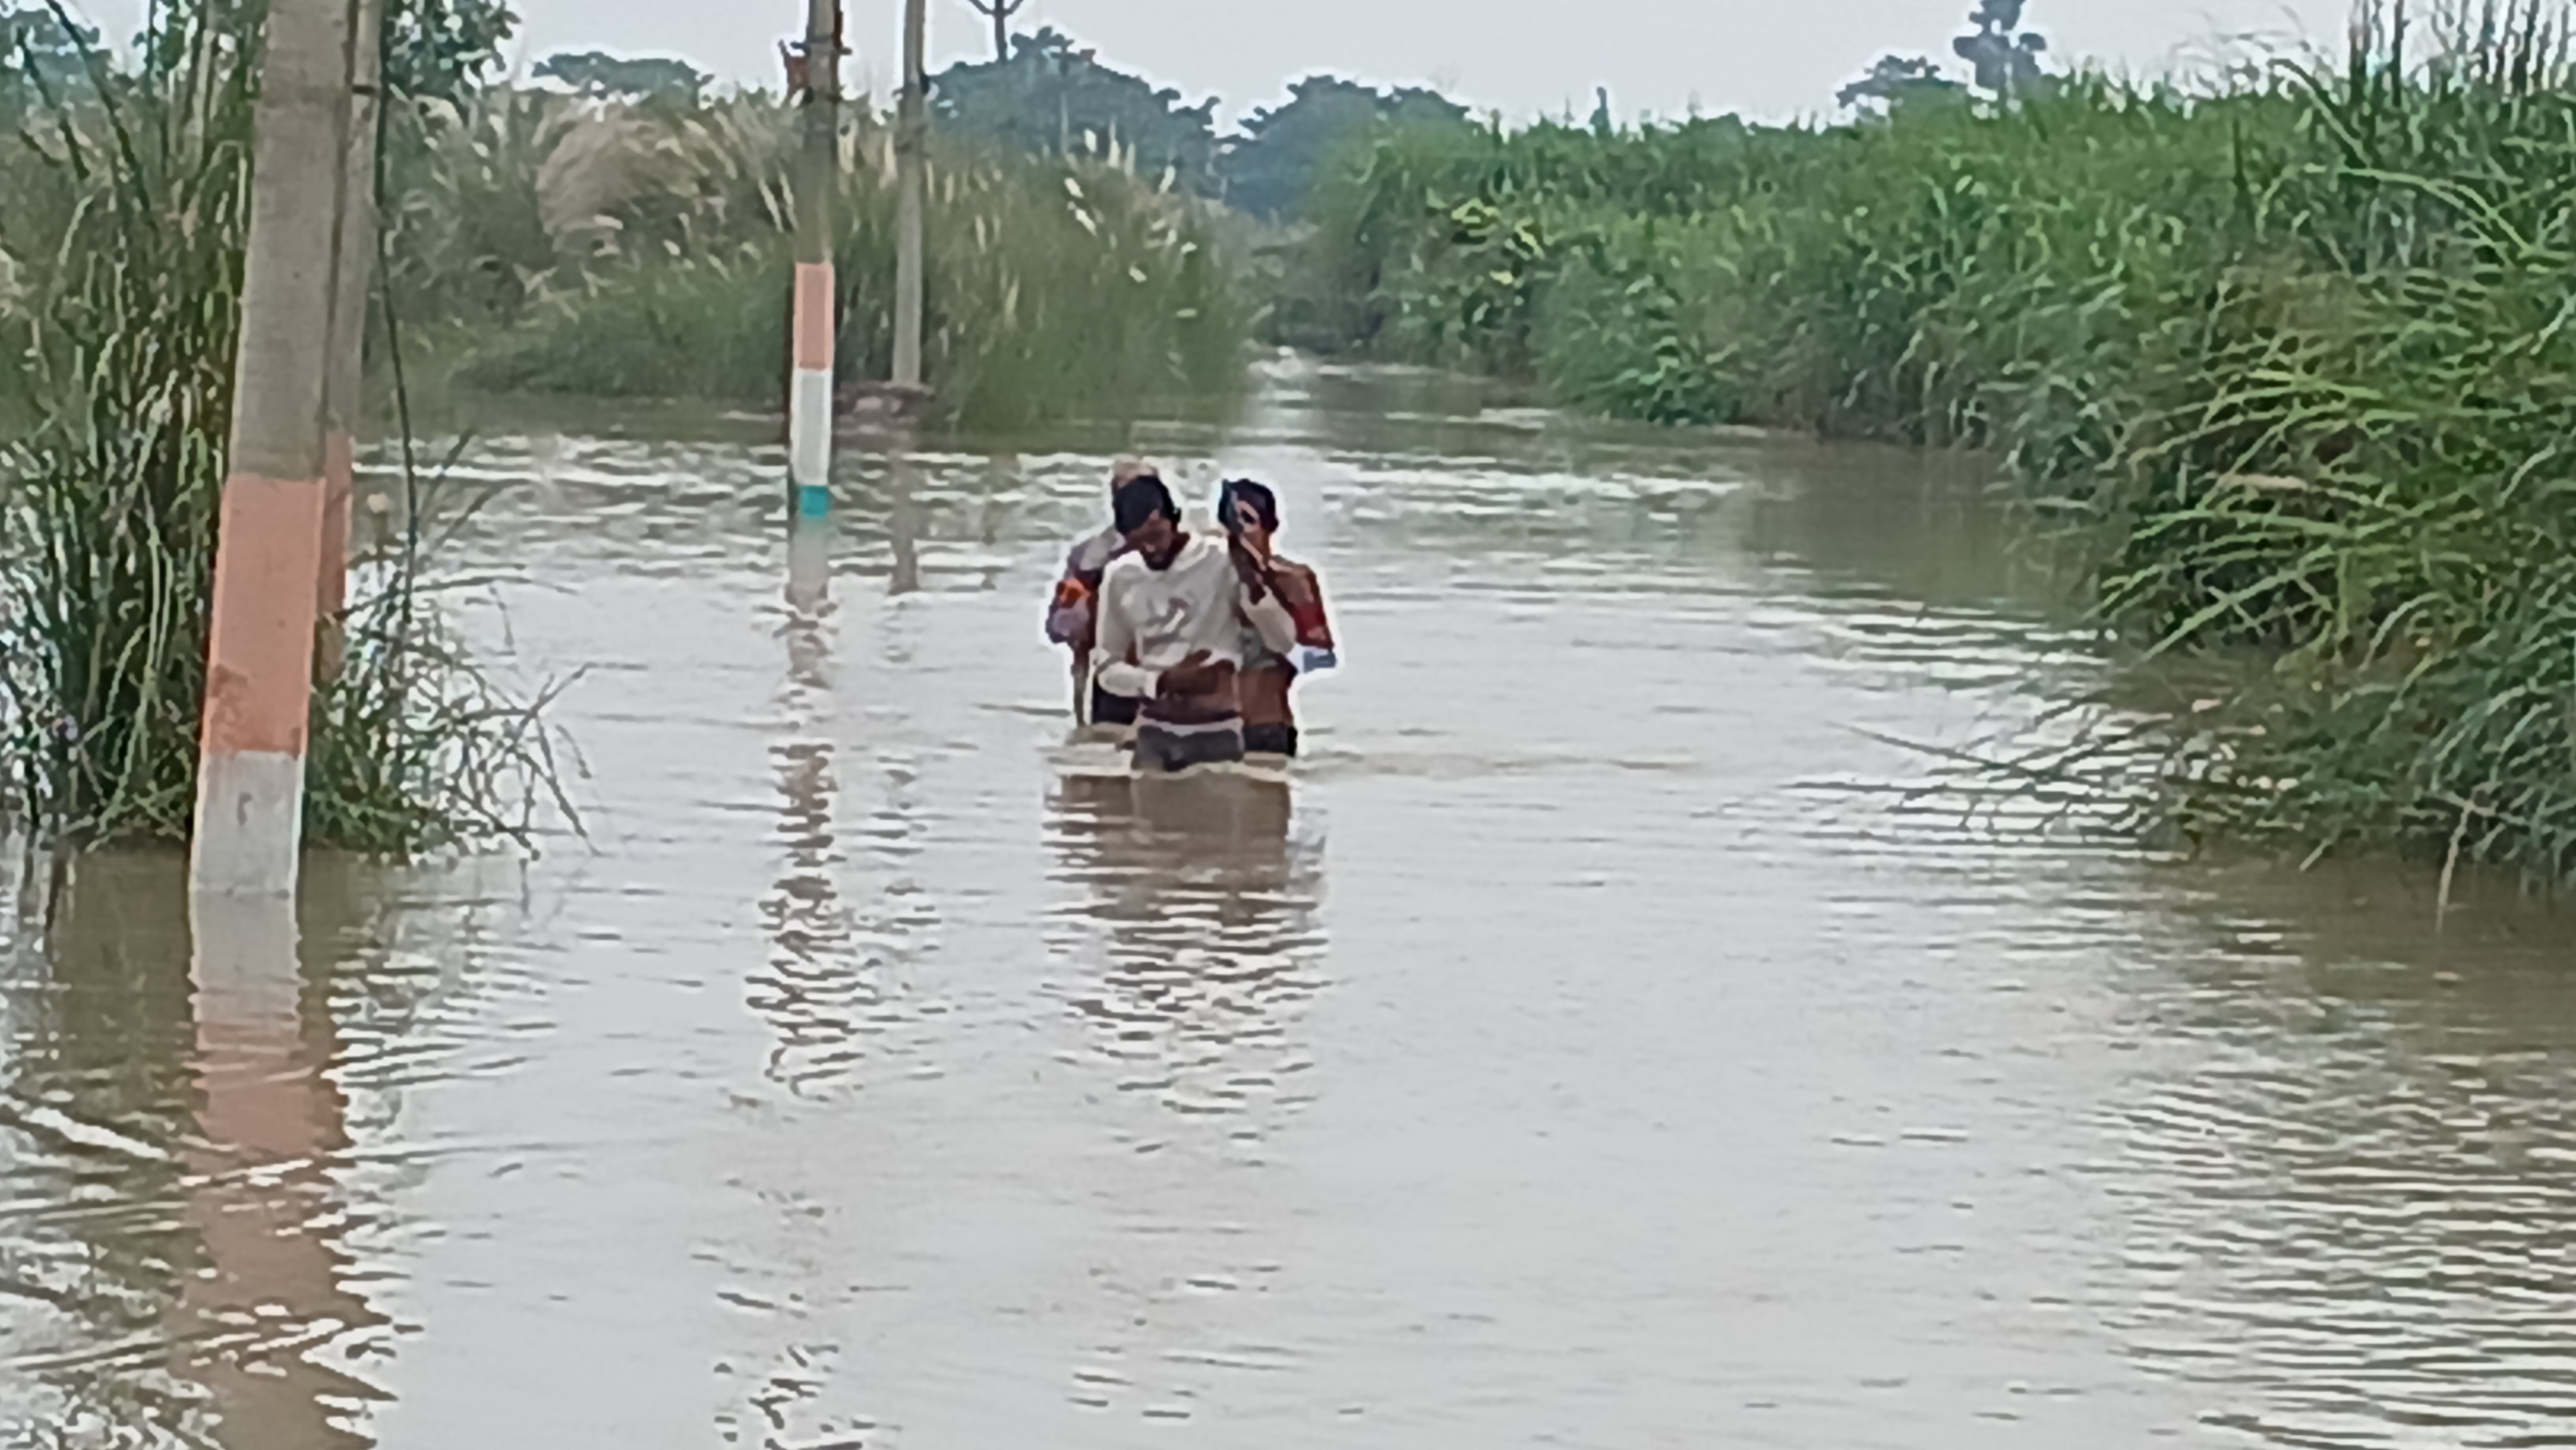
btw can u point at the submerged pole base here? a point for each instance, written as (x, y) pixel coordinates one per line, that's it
(809, 559)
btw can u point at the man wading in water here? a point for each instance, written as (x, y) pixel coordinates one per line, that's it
(1251, 513)
(1073, 616)
(1174, 613)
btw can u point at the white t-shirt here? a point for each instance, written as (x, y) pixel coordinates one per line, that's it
(1166, 615)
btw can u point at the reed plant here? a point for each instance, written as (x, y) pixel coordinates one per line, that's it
(643, 251)
(2285, 359)
(111, 483)
(2369, 472)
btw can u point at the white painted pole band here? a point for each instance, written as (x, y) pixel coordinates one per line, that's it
(250, 822)
(809, 428)
(809, 394)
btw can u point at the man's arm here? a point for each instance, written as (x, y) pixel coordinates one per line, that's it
(1256, 597)
(1073, 607)
(1117, 639)
(1267, 615)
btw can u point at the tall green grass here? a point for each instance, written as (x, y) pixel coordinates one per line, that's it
(111, 476)
(2287, 358)
(645, 252)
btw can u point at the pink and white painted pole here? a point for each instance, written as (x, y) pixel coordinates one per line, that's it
(809, 393)
(259, 669)
(809, 402)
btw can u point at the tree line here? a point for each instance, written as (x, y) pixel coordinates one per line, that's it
(1042, 92)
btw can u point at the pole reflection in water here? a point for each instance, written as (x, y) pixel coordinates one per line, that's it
(903, 524)
(812, 992)
(269, 1297)
(1200, 942)
(809, 564)
(183, 1246)
(831, 992)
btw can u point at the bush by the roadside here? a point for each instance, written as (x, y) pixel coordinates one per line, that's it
(2289, 360)
(565, 246)
(124, 323)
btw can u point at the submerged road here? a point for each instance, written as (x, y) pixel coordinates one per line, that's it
(1596, 1045)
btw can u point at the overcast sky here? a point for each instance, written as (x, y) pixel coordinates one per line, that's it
(1769, 58)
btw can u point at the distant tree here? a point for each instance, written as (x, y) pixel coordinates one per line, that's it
(1895, 80)
(1000, 13)
(1271, 167)
(38, 56)
(444, 48)
(1051, 96)
(602, 76)
(2007, 63)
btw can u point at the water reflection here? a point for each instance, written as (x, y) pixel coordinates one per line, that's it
(269, 1294)
(2353, 1160)
(175, 1243)
(815, 992)
(903, 523)
(1670, 1088)
(93, 1242)
(1198, 942)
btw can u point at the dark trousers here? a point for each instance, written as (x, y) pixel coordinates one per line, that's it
(1162, 752)
(1270, 739)
(1109, 709)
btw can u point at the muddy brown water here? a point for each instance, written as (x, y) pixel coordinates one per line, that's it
(1591, 1047)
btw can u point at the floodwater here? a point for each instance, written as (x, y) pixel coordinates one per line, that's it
(1598, 1044)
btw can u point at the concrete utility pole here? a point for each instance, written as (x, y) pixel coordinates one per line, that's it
(912, 128)
(344, 391)
(809, 400)
(259, 669)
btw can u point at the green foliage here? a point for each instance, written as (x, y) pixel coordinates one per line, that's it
(42, 55)
(111, 485)
(107, 533)
(442, 49)
(2290, 363)
(1271, 167)
(604, 77)
(1898, 80)
(1055, 285)
(704, 326)
(1052, 98)
(2006, 58)
(469, 238)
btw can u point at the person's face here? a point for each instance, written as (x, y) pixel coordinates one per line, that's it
(1156, 541)
(1247, 522)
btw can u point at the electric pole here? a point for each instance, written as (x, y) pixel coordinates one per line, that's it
(815, 323)
(912, 124)
(259, 669)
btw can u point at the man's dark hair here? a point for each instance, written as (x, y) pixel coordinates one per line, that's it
(1265, 504)
(1139, 499)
